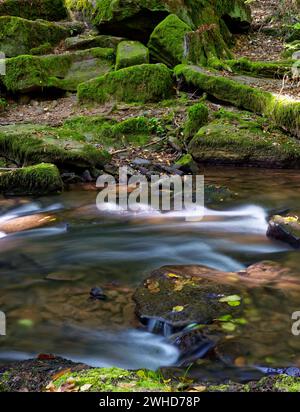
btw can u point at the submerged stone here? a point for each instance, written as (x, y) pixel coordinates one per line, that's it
(183, 295)
(286, 229)
(62, 71)
(236, 139)
(142, 83)
(179, 296)
(19, 36)
(131, 53)
(52, 10)
(32, 180)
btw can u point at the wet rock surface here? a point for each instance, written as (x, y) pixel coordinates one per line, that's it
(285, 229)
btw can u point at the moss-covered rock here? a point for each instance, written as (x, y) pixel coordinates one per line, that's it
(111, 133)
(111, 380)
(90, 40)
(139, 17)
(236, 139)
(63, 71)
(258, 68)
(31, 144)
(279, 383)
(19, 36)
(286, 229)
(52, 10)
(131, 53)
(40, 179)
(167, 42)
(143, 83)
(197, 117)
(283, 111)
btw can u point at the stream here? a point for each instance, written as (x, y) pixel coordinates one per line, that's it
(47, 274)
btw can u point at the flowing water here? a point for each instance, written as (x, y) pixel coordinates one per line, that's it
(47, 273)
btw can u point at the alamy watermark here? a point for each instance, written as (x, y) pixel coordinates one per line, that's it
(2, 324)
(296, 325)
(160, 193)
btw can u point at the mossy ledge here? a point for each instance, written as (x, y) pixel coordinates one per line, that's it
(142, 83)
(259, 68)
(282, 111)
(52, 10)
(236, 139)
(35, 180)
(32, 144)
(64, 71)
(19, 36)
(38, 375)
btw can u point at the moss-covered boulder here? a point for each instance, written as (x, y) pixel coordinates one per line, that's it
(143, 83)
(62, 71)
(131, 53)
(237, 139)
(19, 36)
(167, 42)
(90, 40)
(137, 19)
(283, 111)
(111, 133)
(40, 179)
(32, 144)
(52, 10)
(286, 229)
(197, 116)
(173, 42)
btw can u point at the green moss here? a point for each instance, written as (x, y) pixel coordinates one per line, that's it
(114, 380)
(4, 381)
(3, 104)
(128, 15)
(237, 139)
(40, 179)
(284, 112)
(135, 130)
(294, 33)
(31, 144)
(34, 9)
(64, 71)
(87, 41)
(173, 42)
(44, 48)
(131, 53)
(143, 83)
(265, 69)
(196, 118)
(19, 36)
(167, 41)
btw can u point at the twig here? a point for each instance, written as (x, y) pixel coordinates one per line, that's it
(142, 147)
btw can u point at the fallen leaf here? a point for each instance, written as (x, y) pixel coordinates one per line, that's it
(231, 298)
(86, 387)
(60, 373)
(177, 308)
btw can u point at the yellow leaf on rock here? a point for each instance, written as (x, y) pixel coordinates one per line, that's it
(178, 309)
